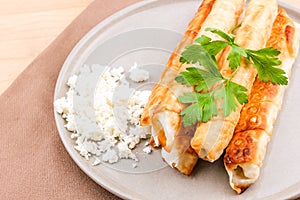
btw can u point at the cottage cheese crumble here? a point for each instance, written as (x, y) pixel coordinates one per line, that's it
(117, 110)
(147, 150)
(138, 75)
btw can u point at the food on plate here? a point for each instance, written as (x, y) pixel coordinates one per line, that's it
(222, 88)
(246, 151)
(174, 64)
(211, 138)
(213, 81)
(163, 108)
(137, 74)
(116, 113)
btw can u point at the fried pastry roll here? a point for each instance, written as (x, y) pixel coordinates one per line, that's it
(163, 108)
(246, 150)
(212, 138)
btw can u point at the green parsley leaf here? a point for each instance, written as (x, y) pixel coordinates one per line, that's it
(232, 94)
(192, 54)
(209, 84)
(203, 40)
(180, 79)
(227, 37)
(213, 48)
(190, 77)
(265, 62)
(272, 74)
(235, 56)
(203, 80)
(268, 51)
(203, 107)
(189, 97)
(197, 54)
(191, 115)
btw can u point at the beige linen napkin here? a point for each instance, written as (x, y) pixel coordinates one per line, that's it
(33, 161)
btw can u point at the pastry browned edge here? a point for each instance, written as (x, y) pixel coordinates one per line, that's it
(246, 150)
(212, 138)
(162, 97)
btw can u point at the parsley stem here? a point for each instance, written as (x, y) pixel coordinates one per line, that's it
(234, 28)
(232, 74)
(220, 85)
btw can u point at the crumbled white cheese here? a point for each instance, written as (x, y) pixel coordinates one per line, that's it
(96, 162)
(110, 156)
(64, 105)
(125, 152)
(72, 81)
(147, 143)
(136, 105)
(147, 150)
(138, 74)
(117, 115)
(61, 106)
(134, 165)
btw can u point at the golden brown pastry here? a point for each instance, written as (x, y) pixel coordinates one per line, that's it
(174, 64)
(162, 110)
(246, 151)
(163, 99)
(212, 138)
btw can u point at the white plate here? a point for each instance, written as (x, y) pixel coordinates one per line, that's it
(146, 32)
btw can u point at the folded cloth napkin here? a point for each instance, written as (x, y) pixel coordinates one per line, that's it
(33, 161)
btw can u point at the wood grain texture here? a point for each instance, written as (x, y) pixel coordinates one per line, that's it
(27, 27)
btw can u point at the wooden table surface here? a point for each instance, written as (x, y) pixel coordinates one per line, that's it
(27, 27)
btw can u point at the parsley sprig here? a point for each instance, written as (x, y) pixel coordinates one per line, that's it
(208, 83)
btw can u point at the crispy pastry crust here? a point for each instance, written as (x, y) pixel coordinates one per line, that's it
(247, 148)
(162, 110)
(161, 94)
(212, 138)
(163, 102)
